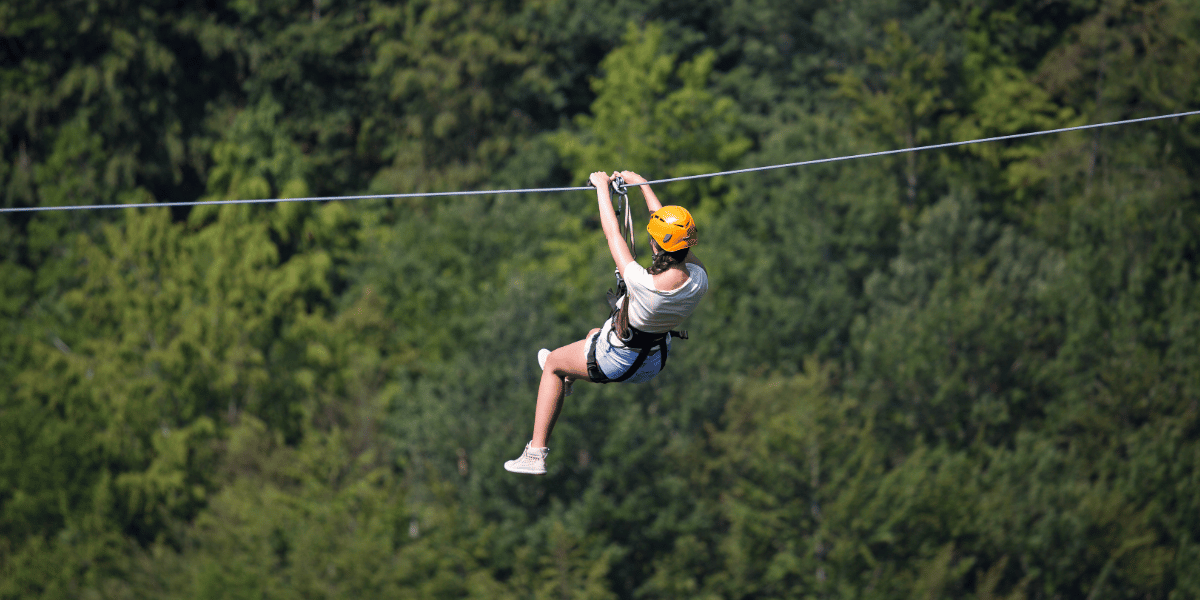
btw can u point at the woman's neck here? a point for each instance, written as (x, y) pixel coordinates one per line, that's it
(673, 278)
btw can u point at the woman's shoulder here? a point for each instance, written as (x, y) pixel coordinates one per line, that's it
(633, 270)
(699, 276)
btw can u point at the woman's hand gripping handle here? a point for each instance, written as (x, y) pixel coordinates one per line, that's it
(632, 178)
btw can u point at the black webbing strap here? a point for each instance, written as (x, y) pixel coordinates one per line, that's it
(620, 190)
(594, 372)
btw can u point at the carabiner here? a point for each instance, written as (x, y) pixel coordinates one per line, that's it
(619, 193)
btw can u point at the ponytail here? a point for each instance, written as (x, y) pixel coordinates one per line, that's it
(665, 260)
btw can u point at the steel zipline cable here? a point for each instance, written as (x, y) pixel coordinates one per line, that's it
(802, 163)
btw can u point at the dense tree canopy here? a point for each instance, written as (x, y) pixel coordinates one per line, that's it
(970, 373)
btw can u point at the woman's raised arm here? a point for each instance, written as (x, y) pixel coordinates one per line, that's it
(652, 202)
(608, 222)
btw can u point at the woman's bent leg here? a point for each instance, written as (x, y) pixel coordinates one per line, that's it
(568, 362)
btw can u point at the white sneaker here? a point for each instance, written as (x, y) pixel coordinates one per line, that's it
(531, 461)
(543, 354)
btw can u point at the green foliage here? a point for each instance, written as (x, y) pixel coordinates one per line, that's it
(325, 518)
(640, 123)
(901, 98)
(466, 79)
(960, 374)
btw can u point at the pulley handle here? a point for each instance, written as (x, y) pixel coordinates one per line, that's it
(618, 186)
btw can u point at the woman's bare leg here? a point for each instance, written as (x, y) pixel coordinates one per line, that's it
(569, 362)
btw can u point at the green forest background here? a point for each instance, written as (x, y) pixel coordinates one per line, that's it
(969, 373)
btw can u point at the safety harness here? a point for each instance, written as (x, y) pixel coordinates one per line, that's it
(631, 337)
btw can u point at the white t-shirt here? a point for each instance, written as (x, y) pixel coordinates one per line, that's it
(655, 311)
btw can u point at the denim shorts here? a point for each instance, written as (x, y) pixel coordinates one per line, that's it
(614, 361)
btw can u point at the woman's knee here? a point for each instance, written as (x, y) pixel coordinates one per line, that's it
(558, 358)
(563, 361)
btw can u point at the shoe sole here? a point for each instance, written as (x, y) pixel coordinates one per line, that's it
(524, 471)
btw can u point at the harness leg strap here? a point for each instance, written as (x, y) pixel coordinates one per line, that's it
(594, 372)
(637, 364)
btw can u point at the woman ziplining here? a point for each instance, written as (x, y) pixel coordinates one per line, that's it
(635, 341)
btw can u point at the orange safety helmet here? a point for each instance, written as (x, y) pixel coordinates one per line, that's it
(673, 228)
